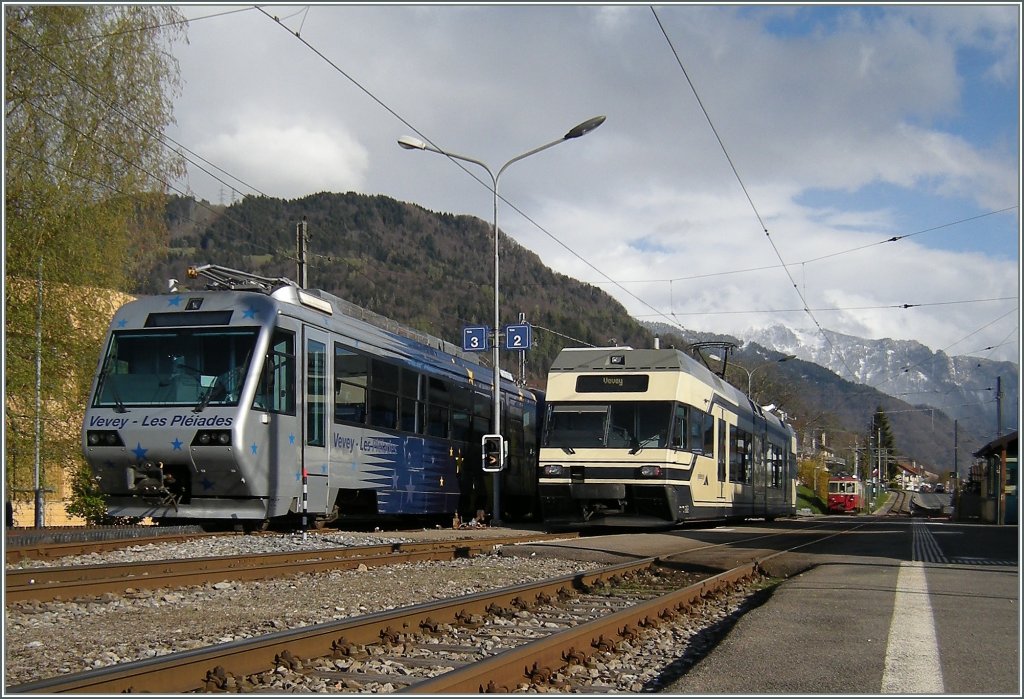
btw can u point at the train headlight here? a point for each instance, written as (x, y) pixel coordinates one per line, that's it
(554, 470)
(212, 438)
(103, 438)
(651, 471)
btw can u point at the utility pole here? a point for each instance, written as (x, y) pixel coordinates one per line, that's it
(879, 445)
(999, 406)
(38, 486)
(522, 356)
(300, 245)
(956, 450)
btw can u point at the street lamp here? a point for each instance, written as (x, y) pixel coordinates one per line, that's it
(751, 373)
(410, 143)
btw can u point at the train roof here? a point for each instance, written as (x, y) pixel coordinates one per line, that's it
(627, 359)
(327, 310)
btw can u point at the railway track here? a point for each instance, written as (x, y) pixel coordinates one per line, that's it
(899, 506)
(519, 638)
(558, 635)
(68, 582)
(50, 545)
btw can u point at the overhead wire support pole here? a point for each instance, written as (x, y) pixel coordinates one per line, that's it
(301, 239)
(40, 519)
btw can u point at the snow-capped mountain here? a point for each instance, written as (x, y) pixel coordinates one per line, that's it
(963, 387)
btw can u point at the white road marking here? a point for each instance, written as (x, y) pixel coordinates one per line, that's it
(912, 654)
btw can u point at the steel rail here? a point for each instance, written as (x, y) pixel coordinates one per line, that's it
(21, 547)
(195, 670)
(68, 582)
(538, 660)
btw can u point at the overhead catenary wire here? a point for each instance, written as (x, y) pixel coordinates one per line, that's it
(898, 306)
(838, 253)
(746, 193)
(462, 166)
(674, 316)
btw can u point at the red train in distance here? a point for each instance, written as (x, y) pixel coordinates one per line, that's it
(845, 495)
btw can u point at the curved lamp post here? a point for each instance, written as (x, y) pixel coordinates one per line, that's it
(410, 143)
(751, 372)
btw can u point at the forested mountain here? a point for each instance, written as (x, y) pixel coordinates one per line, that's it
(434, 272)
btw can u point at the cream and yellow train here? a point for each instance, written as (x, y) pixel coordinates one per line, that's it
(649, 436)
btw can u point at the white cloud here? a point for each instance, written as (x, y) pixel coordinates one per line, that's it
(881, 109)
(292, 160)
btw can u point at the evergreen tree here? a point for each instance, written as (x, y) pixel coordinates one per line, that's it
(88, 93)
(883, 444)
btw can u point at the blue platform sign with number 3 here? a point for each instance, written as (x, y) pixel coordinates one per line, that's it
(517, 337)
(474, 338)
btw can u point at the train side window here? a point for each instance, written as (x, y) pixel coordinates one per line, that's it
(276, 392)
(709, 434)
(411, 408)
(384, 394)
(721, 450)
(316, 393)
(351, 373)
(695, 440)
(679, 427)
(438, 407)
(482, 409)
(462, 413)
(735, 455)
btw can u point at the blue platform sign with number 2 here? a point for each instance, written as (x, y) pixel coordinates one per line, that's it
(517, 337)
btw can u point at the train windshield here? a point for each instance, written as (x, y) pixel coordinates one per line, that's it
(620, 425)
(842, 486)
(175, 367)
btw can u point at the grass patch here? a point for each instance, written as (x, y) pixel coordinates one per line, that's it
(805, 498)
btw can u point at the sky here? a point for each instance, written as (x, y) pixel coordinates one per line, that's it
(853, 168)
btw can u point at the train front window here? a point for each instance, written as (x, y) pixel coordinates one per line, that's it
(633, 425)
(175, 367)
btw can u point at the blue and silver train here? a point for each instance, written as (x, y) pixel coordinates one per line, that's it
(255, 401)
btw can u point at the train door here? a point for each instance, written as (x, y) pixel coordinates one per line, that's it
(760, 502)
(315, 459)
